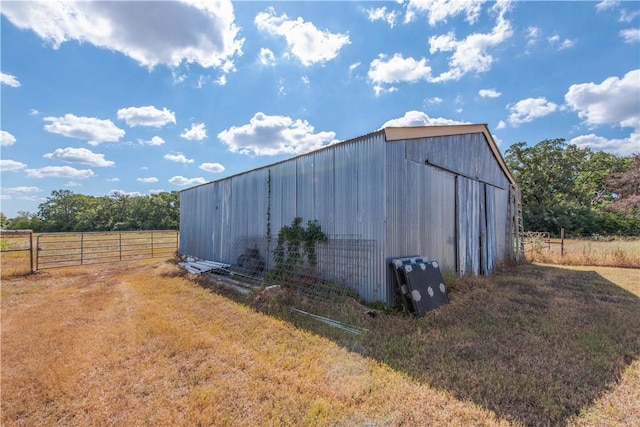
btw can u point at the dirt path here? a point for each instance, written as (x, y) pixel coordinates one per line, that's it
(135, 344)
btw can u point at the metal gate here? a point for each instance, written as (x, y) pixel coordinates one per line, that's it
(74, 249)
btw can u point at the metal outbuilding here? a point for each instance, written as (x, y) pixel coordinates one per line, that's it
(443, 192)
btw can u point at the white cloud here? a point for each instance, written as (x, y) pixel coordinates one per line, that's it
(147, 116)
(418, 118)
(72, 184)
(435, 100)
(440, 10)
(627, 17)
(80, 155)
(6, 138)
(620, 147)
(11, 165)
(181, 181)
(564, 44)
(272, 135)
(529, 109)
(5, 197)
(156, 140)
(178, 158)
(471, 53)
(156, 191)
(90, 129)
(148, 180)
(189, 31)
(353, 66)
(221, 81)
(631, 35)
(306, 42)
(212, 167)
(34, 112)
(381, 14)
(266, 57)
(607, 4)
(113, 180)
(22, 190)
(397, 69)
(9, 80)
(489, 93)
(533, 35)
(501, 125)
(59, 172)
(614, 101)
(197, 132)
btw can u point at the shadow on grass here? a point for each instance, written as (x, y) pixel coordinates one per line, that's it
(534, 344)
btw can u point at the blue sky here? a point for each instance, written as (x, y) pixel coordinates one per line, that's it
(141, 97)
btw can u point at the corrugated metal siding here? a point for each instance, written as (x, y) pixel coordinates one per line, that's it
(468, 155)
(468, 202)
(232, 213)
(501, 215)
(195, 205)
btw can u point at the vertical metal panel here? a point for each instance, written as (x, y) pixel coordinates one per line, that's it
(324, 195)
(283, 195)
(440, 224)
(468, 202)
(195, 221)
(490, 239)
(371, 212)
(501, 215)
(305, 188)
(346, 163)
(421, 218)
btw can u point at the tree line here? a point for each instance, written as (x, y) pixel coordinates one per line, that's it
(65, 210)
(563, 186)
(585, 192)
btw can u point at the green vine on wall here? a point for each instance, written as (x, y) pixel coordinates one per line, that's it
(297, 245)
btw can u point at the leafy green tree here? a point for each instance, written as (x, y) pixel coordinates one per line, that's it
(4, 221)
(59, 211)
(25, 221)
(566, 186)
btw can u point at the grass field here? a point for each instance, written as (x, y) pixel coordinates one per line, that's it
(139, 343)
(615, 253)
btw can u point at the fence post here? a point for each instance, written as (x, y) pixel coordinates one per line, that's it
(31, 251)
(152, 244)
(120, 245)
(81, 248)
(562, 242)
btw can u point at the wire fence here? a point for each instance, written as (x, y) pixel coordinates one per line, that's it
(333, 273)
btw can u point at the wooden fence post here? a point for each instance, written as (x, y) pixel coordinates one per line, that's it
(562, 242)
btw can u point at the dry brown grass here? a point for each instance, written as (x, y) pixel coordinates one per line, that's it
(140, 344)
(137, 344)
(537, 345)
(614, 253)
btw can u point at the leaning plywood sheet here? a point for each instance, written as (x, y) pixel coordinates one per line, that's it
(403, 292)
(427, 288)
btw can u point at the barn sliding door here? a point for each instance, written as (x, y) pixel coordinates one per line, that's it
(476, 226)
